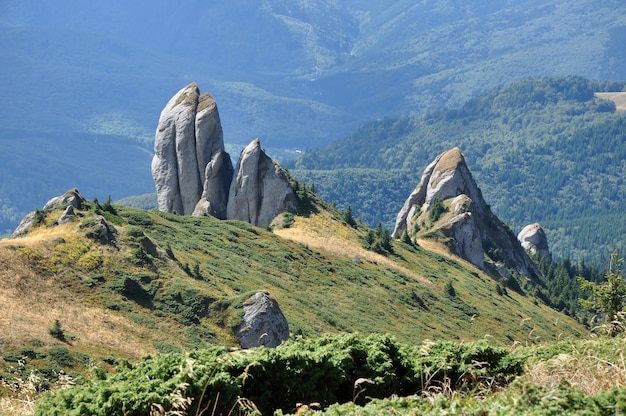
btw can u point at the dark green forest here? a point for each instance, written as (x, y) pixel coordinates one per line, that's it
(542, 150)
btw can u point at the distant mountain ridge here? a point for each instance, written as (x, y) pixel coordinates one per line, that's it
(306, 63)
(296, 74)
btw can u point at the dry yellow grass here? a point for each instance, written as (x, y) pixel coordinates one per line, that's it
(619, 98)
(30, 303)
(326, 235)
(584, 368)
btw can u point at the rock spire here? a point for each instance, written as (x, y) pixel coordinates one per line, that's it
(188, 139)
(194, 175)
(462, 215)
(260, 189)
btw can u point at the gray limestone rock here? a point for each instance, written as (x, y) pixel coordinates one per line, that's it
(67, 216)
(447, 176)
(475, 233)
(260, 189)
(263, 323)
(218, 175)
(533, 238)
(71, 197)
(188, 137)
(24, 225)
(466, 238)
(465, 234)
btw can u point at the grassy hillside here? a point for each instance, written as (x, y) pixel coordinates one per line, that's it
(543, 150)
(170, 283)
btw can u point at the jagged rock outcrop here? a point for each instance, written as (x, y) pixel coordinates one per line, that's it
(194, 175)
(24, 225)
(463, 231)
(263, 323)
(188, 139)
(260, 189)
(67, 216)
(72, 198)
(447, 176)
(474, 232)
(218, 175)
(533, 238)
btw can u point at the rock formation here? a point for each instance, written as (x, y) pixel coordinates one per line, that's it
(533, 239)
(67, 216)
(260, 189)
(218, 175)
(263, 323)
(194, 175)
(188, 139)
(72, 198)
(463, 231)
(473, 231)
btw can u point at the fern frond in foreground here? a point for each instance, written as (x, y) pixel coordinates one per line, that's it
(355, 374)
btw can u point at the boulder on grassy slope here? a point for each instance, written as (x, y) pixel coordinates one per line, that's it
(263, 323)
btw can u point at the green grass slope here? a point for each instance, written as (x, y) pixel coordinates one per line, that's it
(172, 282)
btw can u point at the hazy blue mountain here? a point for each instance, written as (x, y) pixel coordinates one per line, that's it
(297, 74)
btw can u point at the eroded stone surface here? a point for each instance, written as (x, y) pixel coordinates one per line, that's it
(533, 238)
(263, 323)
(260, 189)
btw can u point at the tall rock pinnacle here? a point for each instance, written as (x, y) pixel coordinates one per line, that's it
(472, 230)
(260, 189)
(188, 138)
(194, 175)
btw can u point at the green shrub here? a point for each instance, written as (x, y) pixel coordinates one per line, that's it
(449, 290)
(329, 369)
(56, 331)
(61, 355)
(437, 209)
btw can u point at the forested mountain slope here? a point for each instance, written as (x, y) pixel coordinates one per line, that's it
(297, 74)
(542, 149)
(295, 66)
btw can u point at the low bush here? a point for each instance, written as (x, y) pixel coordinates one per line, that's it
(327, 370)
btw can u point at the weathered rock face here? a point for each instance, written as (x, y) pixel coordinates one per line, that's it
(533, 238)
(474, 232)
(188, 138)
(218, 175)
(260, 189)
(448, 177)
(263, 323)
(67, 216)
(24, 225)
(462, 229)
(72, 198)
